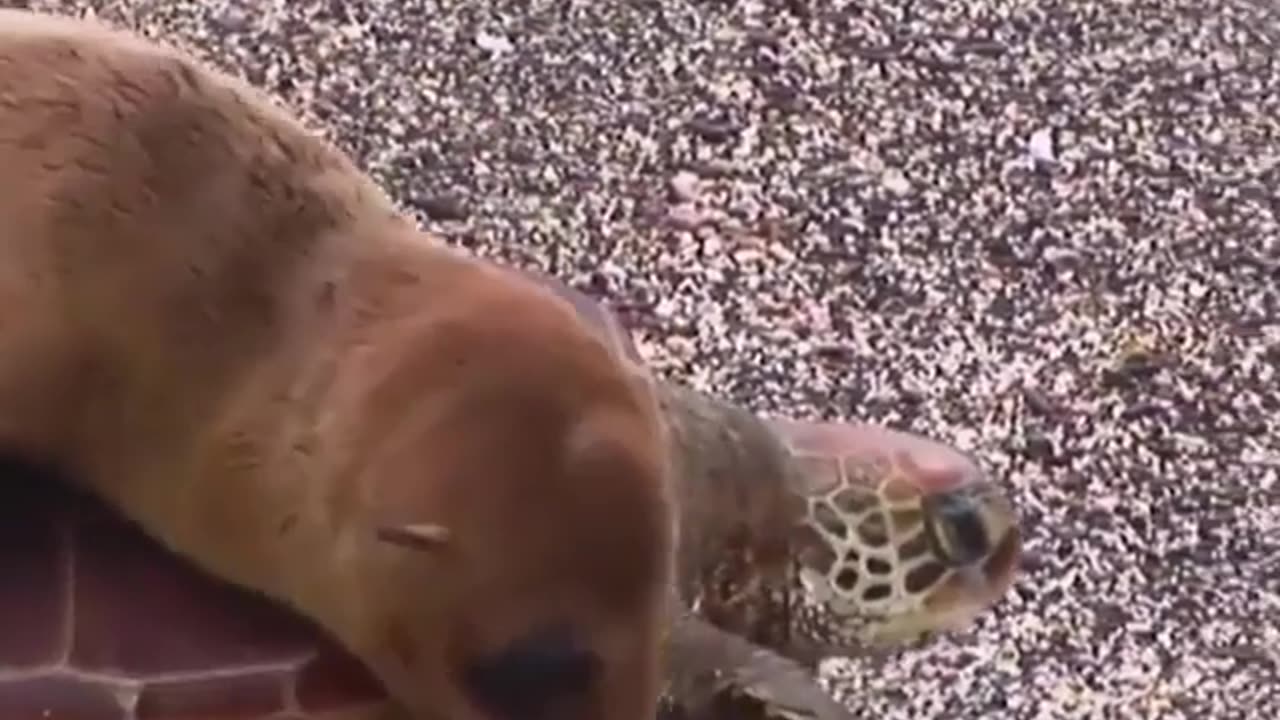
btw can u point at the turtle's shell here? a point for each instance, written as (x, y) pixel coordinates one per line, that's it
(99, 622)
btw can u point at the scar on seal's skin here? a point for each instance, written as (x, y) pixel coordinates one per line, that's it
(417, 536)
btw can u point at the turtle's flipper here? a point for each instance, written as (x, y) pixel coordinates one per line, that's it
(709, 669)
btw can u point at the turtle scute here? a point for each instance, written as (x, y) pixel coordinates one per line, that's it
(100, 622)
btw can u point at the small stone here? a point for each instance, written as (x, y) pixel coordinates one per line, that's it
(1038, 446)
(712, 130)
(1039, 402)
(1040, 146)
(718, 168)
(681, 347)
(834, 353)
(895, 181)
(687, 216)
(782, 252)
(443, 207)
(495, 44)
(231, 20)
(686, 186)
(521, 154)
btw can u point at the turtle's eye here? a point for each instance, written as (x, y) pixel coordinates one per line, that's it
(533, 675)
(957, 528)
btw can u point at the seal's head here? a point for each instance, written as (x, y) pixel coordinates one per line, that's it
(518, 528)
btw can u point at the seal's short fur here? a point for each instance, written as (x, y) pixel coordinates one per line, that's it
(215, 321)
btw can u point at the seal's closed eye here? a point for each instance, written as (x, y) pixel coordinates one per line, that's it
(533, 675)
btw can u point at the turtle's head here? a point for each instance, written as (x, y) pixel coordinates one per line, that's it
(902, 537)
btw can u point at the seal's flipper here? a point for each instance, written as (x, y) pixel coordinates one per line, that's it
(709, 667)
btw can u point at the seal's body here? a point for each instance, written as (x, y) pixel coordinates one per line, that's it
(215, 321)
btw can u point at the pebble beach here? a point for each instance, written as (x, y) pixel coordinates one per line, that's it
(1044, 231)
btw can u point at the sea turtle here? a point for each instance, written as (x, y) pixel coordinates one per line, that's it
(802, 540)
(796, 540)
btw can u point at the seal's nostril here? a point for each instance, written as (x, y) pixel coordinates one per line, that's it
(958, 528)
(532, 675)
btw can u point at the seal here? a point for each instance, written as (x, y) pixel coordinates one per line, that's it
(215, 322)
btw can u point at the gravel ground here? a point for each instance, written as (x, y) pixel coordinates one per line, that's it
(1046, 231)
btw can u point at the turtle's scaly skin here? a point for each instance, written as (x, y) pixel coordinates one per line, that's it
(902, 536)
(824, 539)
(810, 540)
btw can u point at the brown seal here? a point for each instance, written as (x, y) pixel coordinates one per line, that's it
(214, 321)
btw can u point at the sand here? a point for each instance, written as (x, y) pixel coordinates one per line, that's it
(1045, 231)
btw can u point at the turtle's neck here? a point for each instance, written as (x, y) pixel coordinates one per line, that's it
(730, 471)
